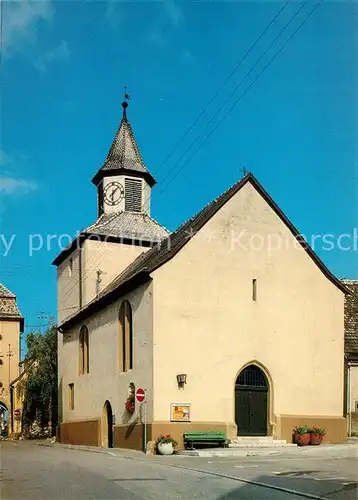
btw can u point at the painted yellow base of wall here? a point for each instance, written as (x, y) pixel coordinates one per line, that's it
(88, 432)
(336, 427)
(81, 432)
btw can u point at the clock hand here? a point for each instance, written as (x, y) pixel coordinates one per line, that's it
(112, 194)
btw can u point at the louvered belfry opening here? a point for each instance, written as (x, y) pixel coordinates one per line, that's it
(133, 195)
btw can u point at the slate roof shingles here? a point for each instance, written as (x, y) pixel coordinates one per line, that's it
(5, 292)
(124, 155)
(128, 225)
(8, 306)
(351, 320)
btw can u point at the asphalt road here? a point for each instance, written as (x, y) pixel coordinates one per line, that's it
(29, 471)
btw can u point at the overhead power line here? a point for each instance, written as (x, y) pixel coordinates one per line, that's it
(236, 88)
(245, 92)
(228, 78)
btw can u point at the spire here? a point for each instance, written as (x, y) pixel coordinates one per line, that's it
(124, 156)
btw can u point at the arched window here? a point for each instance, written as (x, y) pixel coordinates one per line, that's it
(84, 351)
(126, 336)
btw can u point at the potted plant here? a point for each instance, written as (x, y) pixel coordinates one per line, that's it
(130, 403)
(165, 444)
(317, 434)
(301, 435)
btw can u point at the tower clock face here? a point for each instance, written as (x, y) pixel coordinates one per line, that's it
(113, 193)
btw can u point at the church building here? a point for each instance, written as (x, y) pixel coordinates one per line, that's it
(230, 323)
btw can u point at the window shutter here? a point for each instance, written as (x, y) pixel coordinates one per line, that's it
(133, 195)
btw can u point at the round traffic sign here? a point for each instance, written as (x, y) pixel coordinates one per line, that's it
(140, 395)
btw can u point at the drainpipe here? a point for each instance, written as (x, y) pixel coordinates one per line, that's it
(80, 260)
(349, 403)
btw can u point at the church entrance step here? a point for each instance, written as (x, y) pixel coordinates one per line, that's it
(259, 442)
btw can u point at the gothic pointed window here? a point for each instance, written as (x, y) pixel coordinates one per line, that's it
(126, 336)
(84, 350)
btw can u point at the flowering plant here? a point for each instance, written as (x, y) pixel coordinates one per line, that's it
(301, 429)
(166, 438)
(318, 431)
(130, 404)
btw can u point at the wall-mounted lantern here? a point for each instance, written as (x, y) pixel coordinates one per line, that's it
(181, 379)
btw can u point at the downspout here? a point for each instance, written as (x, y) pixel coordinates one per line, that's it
(80, 275)
(349, 403)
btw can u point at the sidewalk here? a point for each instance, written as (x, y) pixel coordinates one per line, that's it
(323, 450)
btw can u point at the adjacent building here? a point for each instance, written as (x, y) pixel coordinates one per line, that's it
(351, 354)
(11, 327)
(230, 323)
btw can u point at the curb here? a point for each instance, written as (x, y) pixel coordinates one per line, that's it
(75, 447)
(223, 454)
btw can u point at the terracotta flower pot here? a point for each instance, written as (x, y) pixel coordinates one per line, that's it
(316, 439)
(302, 439)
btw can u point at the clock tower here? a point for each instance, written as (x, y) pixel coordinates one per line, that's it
(123, 182)
(122, 231)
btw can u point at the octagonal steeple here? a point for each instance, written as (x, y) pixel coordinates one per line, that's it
(123, 182)
(124, 156)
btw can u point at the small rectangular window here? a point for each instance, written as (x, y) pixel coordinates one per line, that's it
(254, 289)
(133, 195)
(70, 267)
(71, 396)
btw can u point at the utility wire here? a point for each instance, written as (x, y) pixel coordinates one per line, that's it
(228, 78)
(236, 88)
(244, 93)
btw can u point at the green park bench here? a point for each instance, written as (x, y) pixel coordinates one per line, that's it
(204, 437)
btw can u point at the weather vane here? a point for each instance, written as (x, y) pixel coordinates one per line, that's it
(126, 96)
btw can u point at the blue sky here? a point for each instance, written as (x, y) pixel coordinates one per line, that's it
(63, 70)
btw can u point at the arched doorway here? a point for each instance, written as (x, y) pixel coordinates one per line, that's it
(4, 419)
(107, 426)
(251, 401)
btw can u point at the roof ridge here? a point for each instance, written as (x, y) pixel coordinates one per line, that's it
(212, 202)
(122, 273)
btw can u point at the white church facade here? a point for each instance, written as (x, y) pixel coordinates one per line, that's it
(223, 333)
